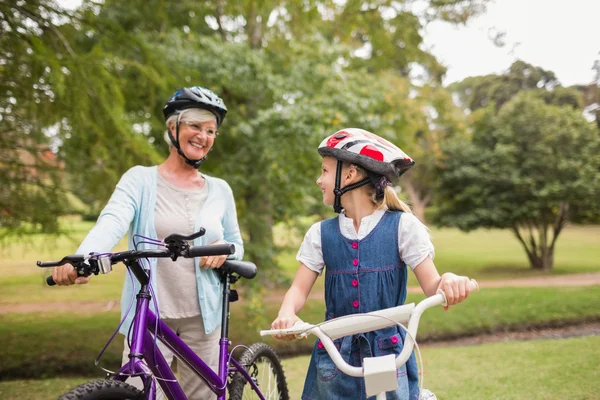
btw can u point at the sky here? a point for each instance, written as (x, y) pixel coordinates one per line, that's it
(562, 36)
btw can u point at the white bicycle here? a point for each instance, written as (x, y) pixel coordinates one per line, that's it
(379, 373)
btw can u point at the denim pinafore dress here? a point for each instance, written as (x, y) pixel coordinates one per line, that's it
(361, 276)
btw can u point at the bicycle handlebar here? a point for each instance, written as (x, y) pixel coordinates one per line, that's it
(353, 324)
(85, 265)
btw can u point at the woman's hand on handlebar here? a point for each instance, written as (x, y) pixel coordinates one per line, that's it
(213, 261)
(66, 275)
(284, 321)
(456, 288)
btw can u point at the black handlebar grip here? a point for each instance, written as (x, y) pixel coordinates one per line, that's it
(212, 250)
(49, 279)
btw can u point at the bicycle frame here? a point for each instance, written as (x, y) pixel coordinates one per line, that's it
(143, 347)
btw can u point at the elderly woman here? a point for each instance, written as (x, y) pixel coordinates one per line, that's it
(174, 197)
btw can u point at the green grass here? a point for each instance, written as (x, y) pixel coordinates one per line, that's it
(33, 289)
(50, 344)
(489, 254)
(46, 389)
(491, 310)
(38, 345)
(545, 369)
(483, 254)
(496, 254)
(23, 282)
(541, 369)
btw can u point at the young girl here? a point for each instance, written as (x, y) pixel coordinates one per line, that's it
(364, 252)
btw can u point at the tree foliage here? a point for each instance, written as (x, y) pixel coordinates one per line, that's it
(530, 168)
(480, 91)
(90, 85)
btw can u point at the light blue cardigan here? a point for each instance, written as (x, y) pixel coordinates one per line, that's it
(131, 210)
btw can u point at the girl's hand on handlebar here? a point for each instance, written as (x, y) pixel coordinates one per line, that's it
(213, 261)
(456, 288)
(66, 275)
(282, 322)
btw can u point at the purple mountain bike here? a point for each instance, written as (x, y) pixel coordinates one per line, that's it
(257, 374)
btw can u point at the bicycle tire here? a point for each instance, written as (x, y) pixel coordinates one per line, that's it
(106, 389)
(259, 359)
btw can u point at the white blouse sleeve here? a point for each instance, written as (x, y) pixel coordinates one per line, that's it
(414, 241)
(310, 252)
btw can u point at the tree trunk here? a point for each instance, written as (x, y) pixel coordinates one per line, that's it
(544, 262)
(259, 248)
(540, 255)
(418, 201)
(220, 13)
(253, 27)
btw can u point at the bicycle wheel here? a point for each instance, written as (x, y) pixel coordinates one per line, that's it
(103, 390)
(264, 366)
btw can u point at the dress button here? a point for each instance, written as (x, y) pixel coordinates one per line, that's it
(355, 262)
(394, 339)
(320, 345)
(355, 303)
(355, 282)
(355, 245)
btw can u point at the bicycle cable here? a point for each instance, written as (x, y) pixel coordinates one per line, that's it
(97, 361)
(146, 240)
(229, 362)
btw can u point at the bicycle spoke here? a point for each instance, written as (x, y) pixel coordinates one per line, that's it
(266, 380)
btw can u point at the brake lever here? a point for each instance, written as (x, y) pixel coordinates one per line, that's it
(178, 244)
(175, 237)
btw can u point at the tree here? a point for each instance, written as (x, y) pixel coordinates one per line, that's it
(480, 91)
(531, 168)
(290, 73)
(63, 93)
(440, 121)
(591, 94)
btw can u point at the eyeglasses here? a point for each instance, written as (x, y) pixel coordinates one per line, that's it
(197, 128)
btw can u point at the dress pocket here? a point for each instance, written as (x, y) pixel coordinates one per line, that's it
(326, 369)
(389, 342)
(392, 344)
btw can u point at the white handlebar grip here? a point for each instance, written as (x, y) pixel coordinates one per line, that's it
(441, 293)
(473, 285)
(298, 329)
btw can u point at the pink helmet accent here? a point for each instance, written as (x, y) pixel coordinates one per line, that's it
(367, 150)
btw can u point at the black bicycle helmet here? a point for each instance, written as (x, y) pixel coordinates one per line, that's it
(196, 97)
(193, 97)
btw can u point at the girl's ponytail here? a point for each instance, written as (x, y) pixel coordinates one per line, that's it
(381, 191)
(391, 200)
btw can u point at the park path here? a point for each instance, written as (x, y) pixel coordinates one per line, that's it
(86, 307)
(584, 279)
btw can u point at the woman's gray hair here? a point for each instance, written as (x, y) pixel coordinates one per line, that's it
(189, 115)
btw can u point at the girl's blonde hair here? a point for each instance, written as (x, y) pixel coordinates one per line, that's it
(390, 198)
(191, 114)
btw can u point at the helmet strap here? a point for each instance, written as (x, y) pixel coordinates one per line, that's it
(194, 163)
(338, 192)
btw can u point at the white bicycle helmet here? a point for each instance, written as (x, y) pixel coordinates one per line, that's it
(383, 161)
(193, 97)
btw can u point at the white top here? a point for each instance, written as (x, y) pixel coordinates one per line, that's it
(175, 212)
(414, 242)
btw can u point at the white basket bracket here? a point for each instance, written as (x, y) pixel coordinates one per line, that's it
(380, 374)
